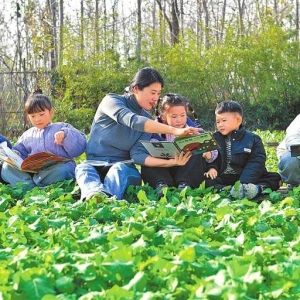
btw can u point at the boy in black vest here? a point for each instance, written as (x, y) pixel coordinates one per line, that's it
(242, 156)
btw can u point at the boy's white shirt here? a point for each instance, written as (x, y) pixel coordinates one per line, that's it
(292, 137)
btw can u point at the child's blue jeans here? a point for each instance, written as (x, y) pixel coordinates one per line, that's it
(115, 182)
(47, 176)
(289, 168)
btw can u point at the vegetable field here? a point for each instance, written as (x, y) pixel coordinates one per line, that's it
(190, 244)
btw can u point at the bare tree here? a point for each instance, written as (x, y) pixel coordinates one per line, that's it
(61, 30)
(97, 29)
(182, 19)
(209, 20)
(114, 23)
(173, 22)
(241, 10)
(223, 19)
(206, 22)
(199, 22)
(19, 48)
(139, 30)
(52, 7)
(104, 25)
(81, 27)
(276, 12)
(153, 12)
(297, 20)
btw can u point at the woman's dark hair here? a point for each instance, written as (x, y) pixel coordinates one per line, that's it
(144, 78)
(229, 106)
(170, 100)
(37, 102)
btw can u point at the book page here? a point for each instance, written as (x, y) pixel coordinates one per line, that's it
(41, 160)
(197, 144)
(161, 149)
(10, 156)
(2, 151)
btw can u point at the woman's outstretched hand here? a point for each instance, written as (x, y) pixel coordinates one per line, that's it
(187, 131)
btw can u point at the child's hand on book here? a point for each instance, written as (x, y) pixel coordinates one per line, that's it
(181, 159)
(59, 137)
(207, 155)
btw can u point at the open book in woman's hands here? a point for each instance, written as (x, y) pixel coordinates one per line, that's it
(32, 163)
(197, 144)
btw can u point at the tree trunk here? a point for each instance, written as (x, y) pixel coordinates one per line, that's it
(205, 8)
(174, 22)
(81, 28)
(199, 35)
(297, 25)
(297, 20)
(139, 30)
(153, 12)
(114, 25)
(182, 19)
(19, 48)
(241, 8)
(97, 40)
(104, 25)
(223, 20)
(52, 32)
(276, 12)
(61, 31)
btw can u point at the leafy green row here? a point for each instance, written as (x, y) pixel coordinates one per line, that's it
(193, 244)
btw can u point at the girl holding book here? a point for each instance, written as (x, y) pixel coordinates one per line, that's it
(60, 139)
(174, 112)
(121, 121)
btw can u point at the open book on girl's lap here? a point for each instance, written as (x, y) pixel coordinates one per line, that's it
(31, 164)
(197, 144)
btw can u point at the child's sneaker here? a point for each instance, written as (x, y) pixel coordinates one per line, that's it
(237, 191)
(290, 187)
(251, 190)
(182, 185)
(101, 197)
(159, 188)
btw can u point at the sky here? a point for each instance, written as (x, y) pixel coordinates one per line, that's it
(72, 7)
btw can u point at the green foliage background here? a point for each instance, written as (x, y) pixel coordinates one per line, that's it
(261, 71)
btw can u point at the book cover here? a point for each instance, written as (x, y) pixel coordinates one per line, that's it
(32, 163)
(197, 144)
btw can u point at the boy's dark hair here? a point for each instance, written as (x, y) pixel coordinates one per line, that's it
(229, 106)
(144, 78)
(37, 102)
